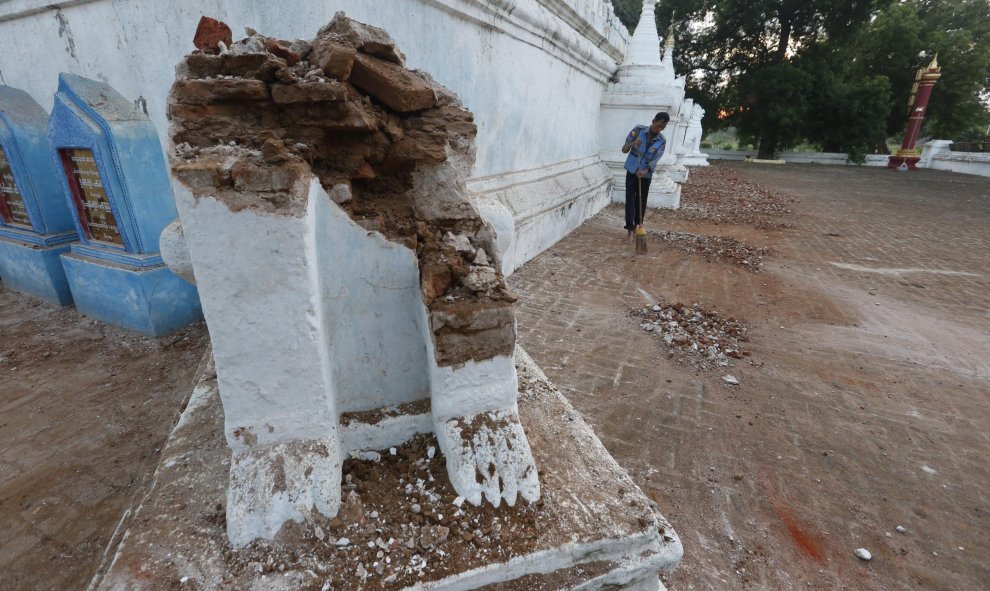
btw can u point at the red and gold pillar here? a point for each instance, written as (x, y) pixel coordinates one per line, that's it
(920, 93)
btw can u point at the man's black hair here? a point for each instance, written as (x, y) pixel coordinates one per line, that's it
(662, 116)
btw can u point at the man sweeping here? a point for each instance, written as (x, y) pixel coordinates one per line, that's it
(645, 146)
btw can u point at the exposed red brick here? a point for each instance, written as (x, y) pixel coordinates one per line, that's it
(206, 91)
(282, 51)
(398, 88)
(210, 33)
(308, 92)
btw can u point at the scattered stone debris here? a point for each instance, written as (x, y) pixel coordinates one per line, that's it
(416, 524)
(716, 248)
(730, 379)
(700, 337)
(715, 194)
(863, 554)
(901, 529)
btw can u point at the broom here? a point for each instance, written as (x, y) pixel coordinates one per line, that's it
(640, 230)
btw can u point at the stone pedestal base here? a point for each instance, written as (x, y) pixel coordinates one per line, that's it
(699, 159)
(153, 300)
(896, 161)
(34, 270)
(592, 529)
(664, 192)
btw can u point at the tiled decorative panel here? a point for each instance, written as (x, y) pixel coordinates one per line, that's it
(91, 199)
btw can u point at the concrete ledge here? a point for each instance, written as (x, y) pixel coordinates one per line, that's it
(879, 160)
(594, 529)
(532, 209)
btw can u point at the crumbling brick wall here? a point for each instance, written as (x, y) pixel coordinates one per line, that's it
(251, 120)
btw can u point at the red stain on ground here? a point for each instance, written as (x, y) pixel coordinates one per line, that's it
(805, 541)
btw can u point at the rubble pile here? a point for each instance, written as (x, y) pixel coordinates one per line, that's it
(714, 194)
(254, 120)
(417, 525)
(699, 337)
(716, 248)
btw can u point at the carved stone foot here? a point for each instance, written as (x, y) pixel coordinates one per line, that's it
(272, 485)
(488, 454)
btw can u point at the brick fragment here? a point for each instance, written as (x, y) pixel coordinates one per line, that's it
(224, 89)
(276, 48)
(396, 87)
(363, 37)
(261, 66)
(210, 33)
(334, 58)
(435, 279)
(204, 174)
(467, 316)
(308, 92)
(249, 175)
(203, 65)
(457, 347)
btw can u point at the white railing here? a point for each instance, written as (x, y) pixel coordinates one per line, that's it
(935, 155)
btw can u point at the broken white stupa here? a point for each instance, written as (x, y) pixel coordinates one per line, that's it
(645, 85)
(352, 291)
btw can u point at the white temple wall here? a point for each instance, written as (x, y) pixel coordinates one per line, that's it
(532, 72)
(936, 155)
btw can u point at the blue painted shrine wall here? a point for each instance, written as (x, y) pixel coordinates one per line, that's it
(91, 115)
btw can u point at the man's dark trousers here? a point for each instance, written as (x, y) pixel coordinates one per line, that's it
(635, 211)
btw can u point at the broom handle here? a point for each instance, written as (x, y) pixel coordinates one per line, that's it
(639, 201)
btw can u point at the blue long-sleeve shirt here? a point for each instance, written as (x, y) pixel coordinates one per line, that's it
(647, 154)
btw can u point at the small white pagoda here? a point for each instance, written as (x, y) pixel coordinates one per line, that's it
(646, 84)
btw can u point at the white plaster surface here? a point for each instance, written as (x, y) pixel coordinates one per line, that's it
(310, 316)
(252, 272)
(175, 251)
(279, 483)
(489, 456)
(474, 387)
(490, 54)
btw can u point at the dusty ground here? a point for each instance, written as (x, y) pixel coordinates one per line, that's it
(864, 404)
(84, 411)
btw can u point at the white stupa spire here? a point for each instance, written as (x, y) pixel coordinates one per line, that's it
(668, 49)
(644, 47)
(644, 85)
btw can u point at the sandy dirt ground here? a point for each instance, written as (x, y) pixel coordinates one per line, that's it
(84, 411)
(863, 403)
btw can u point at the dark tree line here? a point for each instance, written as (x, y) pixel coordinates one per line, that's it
(836, 73)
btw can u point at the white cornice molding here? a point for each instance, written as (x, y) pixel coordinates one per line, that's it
(580, 44)
(588, 37)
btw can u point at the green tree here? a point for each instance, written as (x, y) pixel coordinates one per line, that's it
(849, 66)
(744, 52)
(628, 12)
